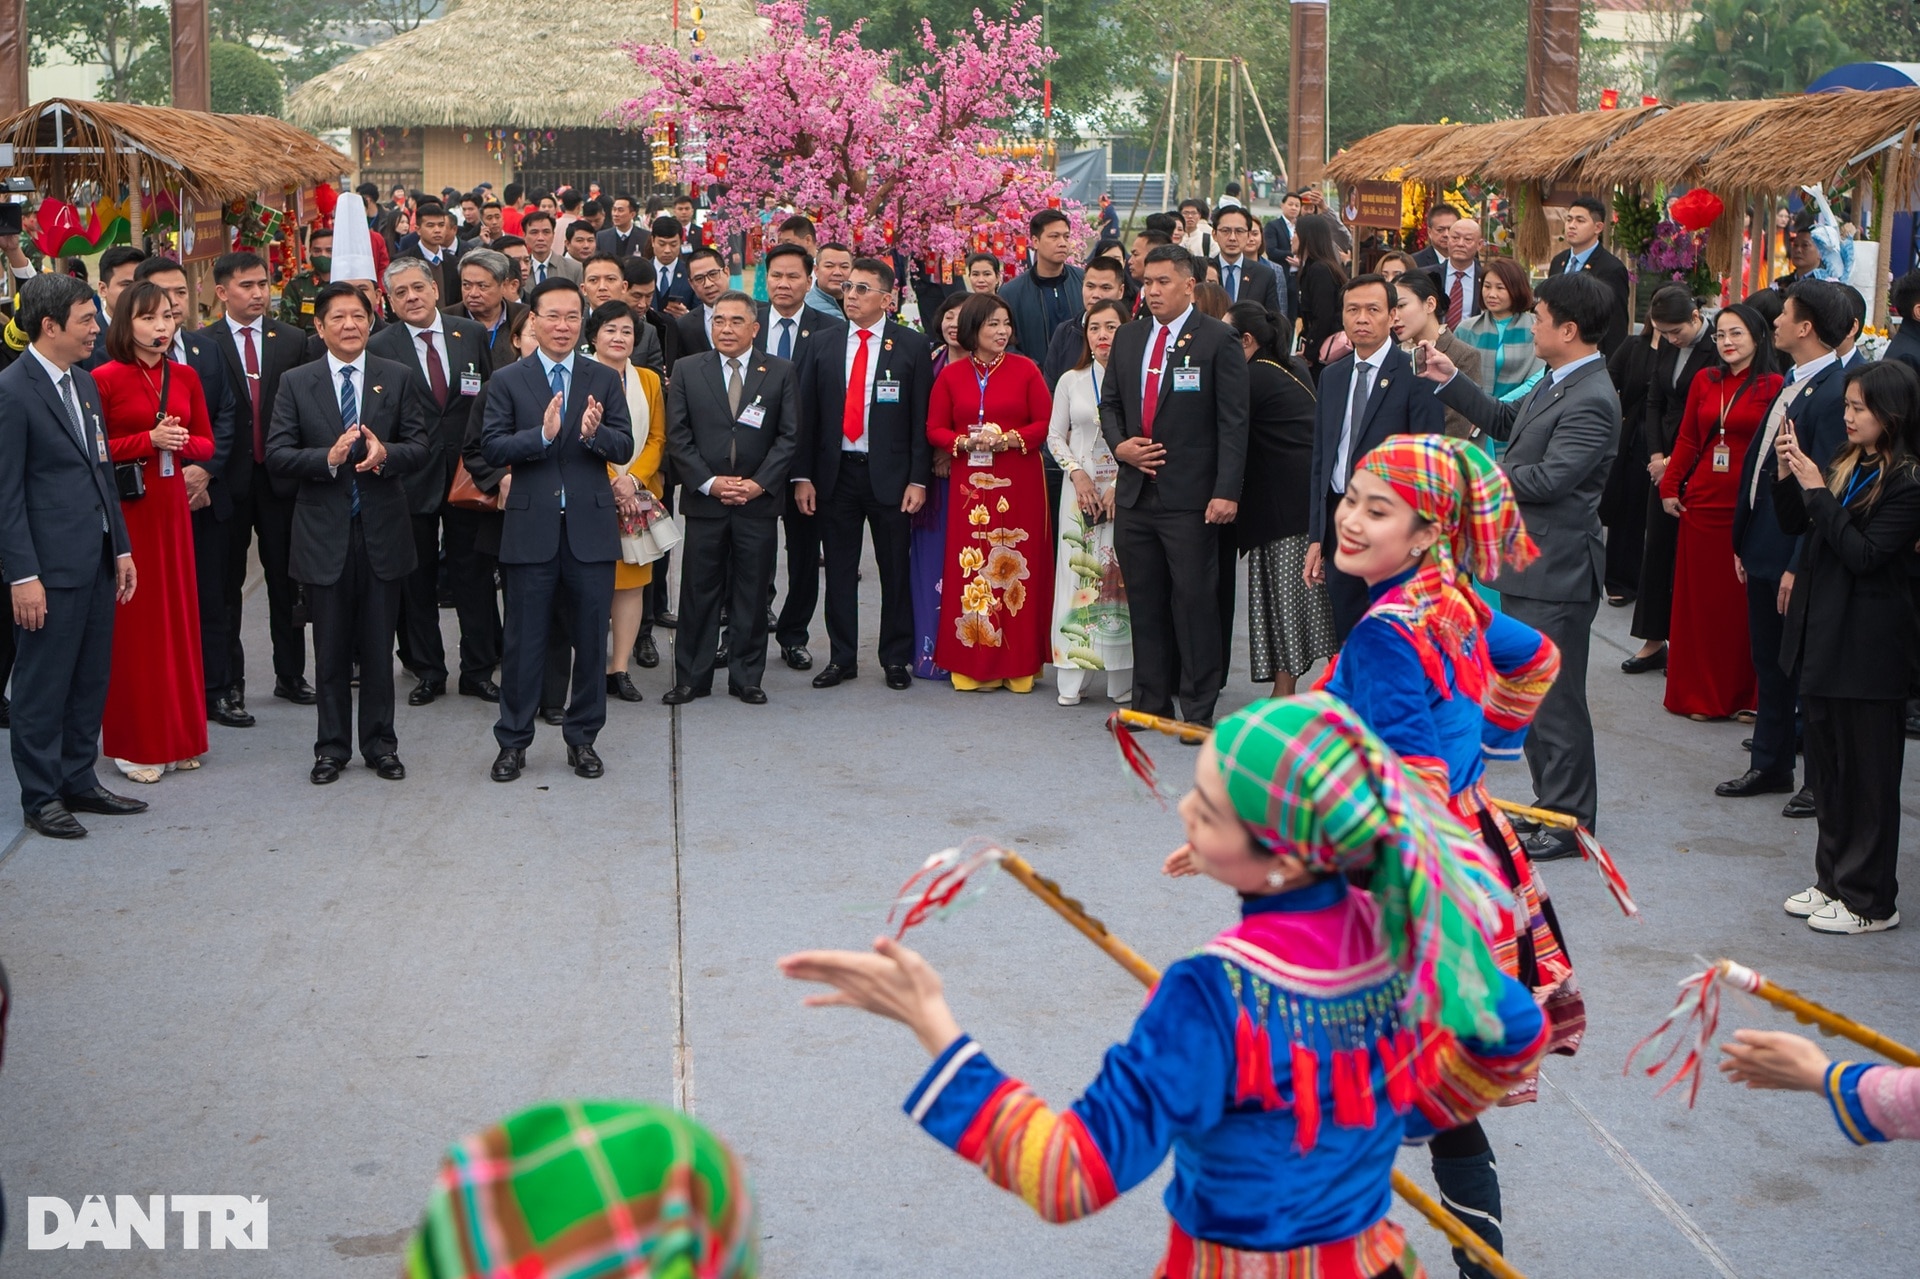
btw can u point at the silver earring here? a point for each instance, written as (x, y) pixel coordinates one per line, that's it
(1275, 879)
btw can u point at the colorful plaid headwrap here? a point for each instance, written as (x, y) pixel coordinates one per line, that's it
(579, 1189)
(1309, 779)
(1453, 484)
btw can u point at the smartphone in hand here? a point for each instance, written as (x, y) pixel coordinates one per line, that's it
(1420, 360)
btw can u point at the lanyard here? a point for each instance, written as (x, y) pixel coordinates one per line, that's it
(982, 376)
(1860, 475)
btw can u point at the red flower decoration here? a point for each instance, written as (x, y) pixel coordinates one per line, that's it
(1697, 209)
(324, 198)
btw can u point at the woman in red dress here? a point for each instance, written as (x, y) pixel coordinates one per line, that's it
(990, 413)
(1709, 664)
(156, 416)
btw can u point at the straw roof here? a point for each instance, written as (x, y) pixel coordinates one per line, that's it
(1468, 150)
(504, 63)
(1812, 138)
(1677, 146)
(1377, 153)
(1557, 143)
(214, 157)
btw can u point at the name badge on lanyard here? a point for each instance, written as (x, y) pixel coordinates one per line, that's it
(886, 390)
(470, 381)
(754, 414)
(1186, 377)
(99, 441)
(1722, 457)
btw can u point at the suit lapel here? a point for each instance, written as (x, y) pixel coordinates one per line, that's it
(51, 394)
(750, 387)
(715, 374)
(1378, 392)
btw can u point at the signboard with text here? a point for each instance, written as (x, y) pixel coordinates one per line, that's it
(1373, 204)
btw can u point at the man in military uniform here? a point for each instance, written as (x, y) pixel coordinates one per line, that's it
(296, 299)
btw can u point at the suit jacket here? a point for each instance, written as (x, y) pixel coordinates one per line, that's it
(1763, 546)
(203, 357)
(1276, 237)
(448, 276)
(1560, 446)
(1611, 272)
(805, 333)
(1259, 282)
(1667, 401)
(1063, 349)
(1905, 346)
(1427, 258)
(501, 353)
(512, 436)
(1398, 403)
(1850, 622)
(898, 453)
(680, 289)
(691, 330)
(560, 264)
(306, 422)
(463, 355)
(637, 240)
(57, 496)
(282, 347)
(1204, 431)
(706, 440)
(1022, 296)
(1470, 295)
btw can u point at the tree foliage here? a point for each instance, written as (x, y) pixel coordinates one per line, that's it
(1390, 62)
(244, 82)
(1752, 49)
(1888, 29)
(114, 34)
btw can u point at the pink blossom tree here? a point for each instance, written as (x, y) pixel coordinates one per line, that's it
(816, 121)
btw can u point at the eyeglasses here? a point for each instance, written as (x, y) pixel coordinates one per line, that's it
(860, 289)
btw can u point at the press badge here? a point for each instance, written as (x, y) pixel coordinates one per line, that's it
(753, 415)
(99, 441)
(1186, 379)
(886, 391)
(166, 464)
(470, 382)
(982, 458)
(1722, 457)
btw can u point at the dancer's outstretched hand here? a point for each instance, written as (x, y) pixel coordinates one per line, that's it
(1775, 1059)
(893, 981)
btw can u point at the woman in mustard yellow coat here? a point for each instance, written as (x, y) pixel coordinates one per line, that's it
(610, 332)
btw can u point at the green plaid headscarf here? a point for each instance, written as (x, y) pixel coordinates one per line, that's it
(588, 1190)
(1309, 779)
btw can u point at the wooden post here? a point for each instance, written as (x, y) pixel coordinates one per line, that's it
(1553, 57)
(192, 72)
(1173, 114)
(1307, 93)
(13, 56)
(1883, 228)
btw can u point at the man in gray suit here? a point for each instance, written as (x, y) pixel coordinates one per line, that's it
(1560, 442)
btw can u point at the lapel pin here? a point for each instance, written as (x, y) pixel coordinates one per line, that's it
(804, 332)
(887, 345)
(1385, 380)
(376, 390)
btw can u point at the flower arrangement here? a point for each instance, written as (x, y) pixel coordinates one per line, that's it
(1675, 253)
(1872, 342)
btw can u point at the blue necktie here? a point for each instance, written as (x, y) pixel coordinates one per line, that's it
(786, 340)
(558, 381)
(1233, 282)
(349, 415)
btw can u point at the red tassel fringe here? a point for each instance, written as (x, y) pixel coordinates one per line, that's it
(1135, 758)
(1306, 1097)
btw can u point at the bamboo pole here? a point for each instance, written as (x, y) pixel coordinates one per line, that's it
(1173, 113)
(1213, 143)
(1140, 187)
(1812, 1014)
(1279, 160)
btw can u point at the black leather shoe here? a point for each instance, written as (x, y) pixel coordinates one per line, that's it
(426, 691)
(324, 771)
(668, 619)
(1754, 782)
(1746, 743)
(54, 821)
(584, 761)
(621, 686)
(752, 695)
(389, 767)
(555, 715)
(237, 694)
(507, 765)
(646, 654)
(1524, 827)
(678, 695)
(899, 677)
(299, 692)
(222, 711)
(103, 801)
(1638, 665)
(798, 657)
(1801, 805)
(484, 689)
(1551, 846)
(834, 673)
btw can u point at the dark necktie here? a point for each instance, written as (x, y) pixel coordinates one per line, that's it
(251, 357)
(1457, 300)
(349, 415)
(786, 340)
(1233, 282)
(436, 371)
(72, 402)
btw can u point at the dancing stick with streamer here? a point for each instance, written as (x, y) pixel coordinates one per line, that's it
(941, 884)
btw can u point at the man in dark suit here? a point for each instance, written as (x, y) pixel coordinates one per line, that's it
(557, 419)
(1811, 406)
(1458, 275)
(209, 503)
(1277, 238)
(67, 559)
(705, 272)
(257, 350)
(1365, 396)
(438, 243)
(1905, 301)
(732, 426)
(1586, 219)
(1242, 274)
(486, 285)
(624, 237)
(1440, 220)
(864, 459)
(117, 265)
(347, 428)
(788, 328)
(1173, 408)
(1105, 277)
(449, 363)
(674, 292)
(1560, 443)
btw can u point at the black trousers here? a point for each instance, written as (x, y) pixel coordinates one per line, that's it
(731, 555)
(803, 537)
(353, 621)
(1855, 752)
(6, 650)
(1772, 751)
(476, 599)
(1559, 748)
(1653, 610)
(1623, 509)
(422, 650)
(1345, 592)
(529, 621)
(211, 540)
(60, 689)
(843, 517)
(1170, 561)
(262, 513)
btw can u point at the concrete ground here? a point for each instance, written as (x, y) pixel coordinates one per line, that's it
(263, 987)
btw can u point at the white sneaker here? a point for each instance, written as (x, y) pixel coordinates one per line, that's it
(1800, 905)
(1834, 917)
(1064, 700)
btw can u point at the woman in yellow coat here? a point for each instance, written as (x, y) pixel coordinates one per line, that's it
(610, 332)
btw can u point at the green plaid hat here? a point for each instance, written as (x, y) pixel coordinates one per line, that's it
(588, 1190)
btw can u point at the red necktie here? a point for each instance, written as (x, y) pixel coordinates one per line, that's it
(436, 371)
(1150, 400)
(253, 393)
(853, 422)
(1456, 300)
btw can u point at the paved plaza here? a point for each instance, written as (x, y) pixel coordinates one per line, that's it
(263, 987)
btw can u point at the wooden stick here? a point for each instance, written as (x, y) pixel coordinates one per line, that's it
(1074, 913)
(1545, 816)
(1812, 1014)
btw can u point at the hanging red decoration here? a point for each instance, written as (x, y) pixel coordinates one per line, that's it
(1697, 209)
(324, 198)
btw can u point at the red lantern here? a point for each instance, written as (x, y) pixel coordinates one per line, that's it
(324, 198)
(1697, 209)
(1609, 99)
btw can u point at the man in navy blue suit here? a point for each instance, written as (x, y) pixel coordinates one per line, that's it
(1365, 396)
(68, 562)
(555, 419)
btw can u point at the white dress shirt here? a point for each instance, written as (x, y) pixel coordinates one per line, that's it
(1343, 456)
(737, 364)
(258, 329)
(866, 393)
(770, 338)
(1466, 277)
(1153, 336)
(440, 347)
(359, 366)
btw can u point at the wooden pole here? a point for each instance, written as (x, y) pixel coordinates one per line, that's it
(13, 56)
(192, 74)
(1812, 1014)
(1307, 93)
(1883, 230)
(1173, 114)
(1140, 187)
(1279, 160)
(1190, 169)
(1213, 143)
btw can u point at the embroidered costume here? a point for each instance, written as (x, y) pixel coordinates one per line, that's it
(1285, 1062)
(1875, 1103)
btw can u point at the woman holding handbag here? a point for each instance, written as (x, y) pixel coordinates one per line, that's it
(156, 420)
(636, 486)
(1709, 665)
(1322, 276)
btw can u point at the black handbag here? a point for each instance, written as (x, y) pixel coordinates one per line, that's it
(131, 477)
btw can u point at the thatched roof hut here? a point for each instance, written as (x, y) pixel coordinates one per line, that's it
(1557, 143)
(1676, 147)
(1393, 147)
(1812, 138)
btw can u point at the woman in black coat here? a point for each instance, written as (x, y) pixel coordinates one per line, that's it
(1322, 276)
(1852, 633)
(1289, 624)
